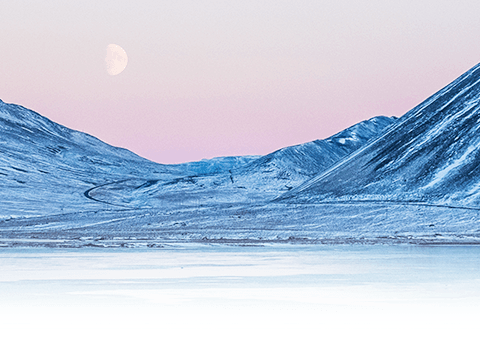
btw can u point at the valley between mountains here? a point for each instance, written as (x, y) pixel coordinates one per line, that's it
(412, 179)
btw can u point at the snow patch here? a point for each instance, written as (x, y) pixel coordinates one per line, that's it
(444, 172)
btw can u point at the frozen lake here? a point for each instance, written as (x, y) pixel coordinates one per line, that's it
(217, 303)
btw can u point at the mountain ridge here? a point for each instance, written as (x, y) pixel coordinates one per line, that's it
(260, 180)
(430, 155)
(68, 170)
(415, 179)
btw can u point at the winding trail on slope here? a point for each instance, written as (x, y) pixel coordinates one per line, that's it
(87, 193)
(352, 202)
(379, 202)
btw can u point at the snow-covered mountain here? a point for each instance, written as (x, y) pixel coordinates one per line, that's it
(217, 165)
(431, 155)
(416, 178)
(46, 168)
(257, 181)
(286, 168)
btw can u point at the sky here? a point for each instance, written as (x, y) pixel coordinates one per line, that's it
(209, 78)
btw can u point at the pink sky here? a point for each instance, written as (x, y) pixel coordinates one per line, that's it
(213, 78)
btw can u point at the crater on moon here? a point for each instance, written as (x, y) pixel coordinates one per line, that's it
(116, 59)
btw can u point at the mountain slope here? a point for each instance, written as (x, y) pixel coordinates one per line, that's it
(290, 166)
(46, 167)
(259, 181)
(431, 155)
(217, 165)
(416, 178)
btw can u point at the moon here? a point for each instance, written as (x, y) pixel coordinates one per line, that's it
(116, 59)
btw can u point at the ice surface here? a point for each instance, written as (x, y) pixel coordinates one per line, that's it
(228, 303)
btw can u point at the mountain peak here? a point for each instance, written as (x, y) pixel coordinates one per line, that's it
(432, 154)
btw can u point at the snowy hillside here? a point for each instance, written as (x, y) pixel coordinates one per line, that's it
(432, 155)
(216, 165)
(416, 178)
(46, 168)
(288, 167)
(258, 181)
